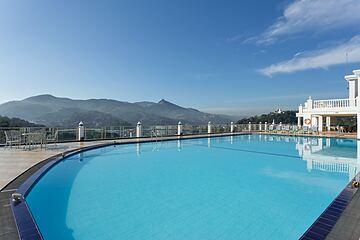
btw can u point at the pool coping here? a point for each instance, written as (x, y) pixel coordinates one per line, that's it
(28, 229)
(324, 224)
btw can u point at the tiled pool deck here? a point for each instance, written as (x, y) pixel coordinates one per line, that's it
(15, 162)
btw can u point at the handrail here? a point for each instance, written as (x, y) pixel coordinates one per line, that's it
(120, 132)
(334, 103)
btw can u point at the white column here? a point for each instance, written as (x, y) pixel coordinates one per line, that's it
(266, 126)
(81, 131)
(232, 127)
(328, 123)
(320, 123)
(209, 127)
(138, 130)
(314, 121)
(299, 121)
(179, 129)
(352, 89)
(249, 126)
(260, 126)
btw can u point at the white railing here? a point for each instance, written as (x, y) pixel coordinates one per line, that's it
(334, 103)
(122, 132)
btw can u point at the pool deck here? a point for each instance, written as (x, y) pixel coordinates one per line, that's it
(16, 165)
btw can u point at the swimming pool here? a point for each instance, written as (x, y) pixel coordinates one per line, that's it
(235, 187)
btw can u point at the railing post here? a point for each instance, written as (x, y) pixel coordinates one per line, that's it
(249, 126)
(266, 126)
(260, 127)
(138, 129)
(179, 129)
(209, 127)
(352, 102)
(81, 131)
(232, 127)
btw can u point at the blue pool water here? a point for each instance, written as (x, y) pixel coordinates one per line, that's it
(241, 187)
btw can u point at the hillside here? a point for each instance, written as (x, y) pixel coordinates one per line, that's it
(287, 117)
(16, 122)
(65, 112)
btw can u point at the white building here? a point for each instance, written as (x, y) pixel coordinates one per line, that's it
(278, 111)
(318, 113)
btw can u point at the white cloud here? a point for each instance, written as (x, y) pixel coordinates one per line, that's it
(312, 16)
(318, 59)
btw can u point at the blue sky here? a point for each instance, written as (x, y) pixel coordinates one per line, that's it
(235, 57)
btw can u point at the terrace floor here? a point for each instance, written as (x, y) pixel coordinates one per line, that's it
(14, 161)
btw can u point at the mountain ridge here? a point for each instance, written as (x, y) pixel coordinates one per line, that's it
(55, 111)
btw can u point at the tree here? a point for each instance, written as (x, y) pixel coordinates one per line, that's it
(286, 117)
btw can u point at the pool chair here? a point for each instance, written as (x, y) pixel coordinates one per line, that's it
(278, 129)
(293, 129)
(314, 130)
(52, 137)
(34, 139)
(303, 130)
(271, 128)
(13, 138)
(285, 129)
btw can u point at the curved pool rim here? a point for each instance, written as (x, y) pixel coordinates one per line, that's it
(28, 229)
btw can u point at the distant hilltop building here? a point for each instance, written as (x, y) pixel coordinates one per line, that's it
(279, 111)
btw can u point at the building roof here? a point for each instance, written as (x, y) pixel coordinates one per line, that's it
(350, 77)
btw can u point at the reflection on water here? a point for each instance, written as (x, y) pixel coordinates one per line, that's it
(330, 155)
(325, 154)
(322, 154)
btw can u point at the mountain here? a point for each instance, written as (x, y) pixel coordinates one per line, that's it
(65, 112)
